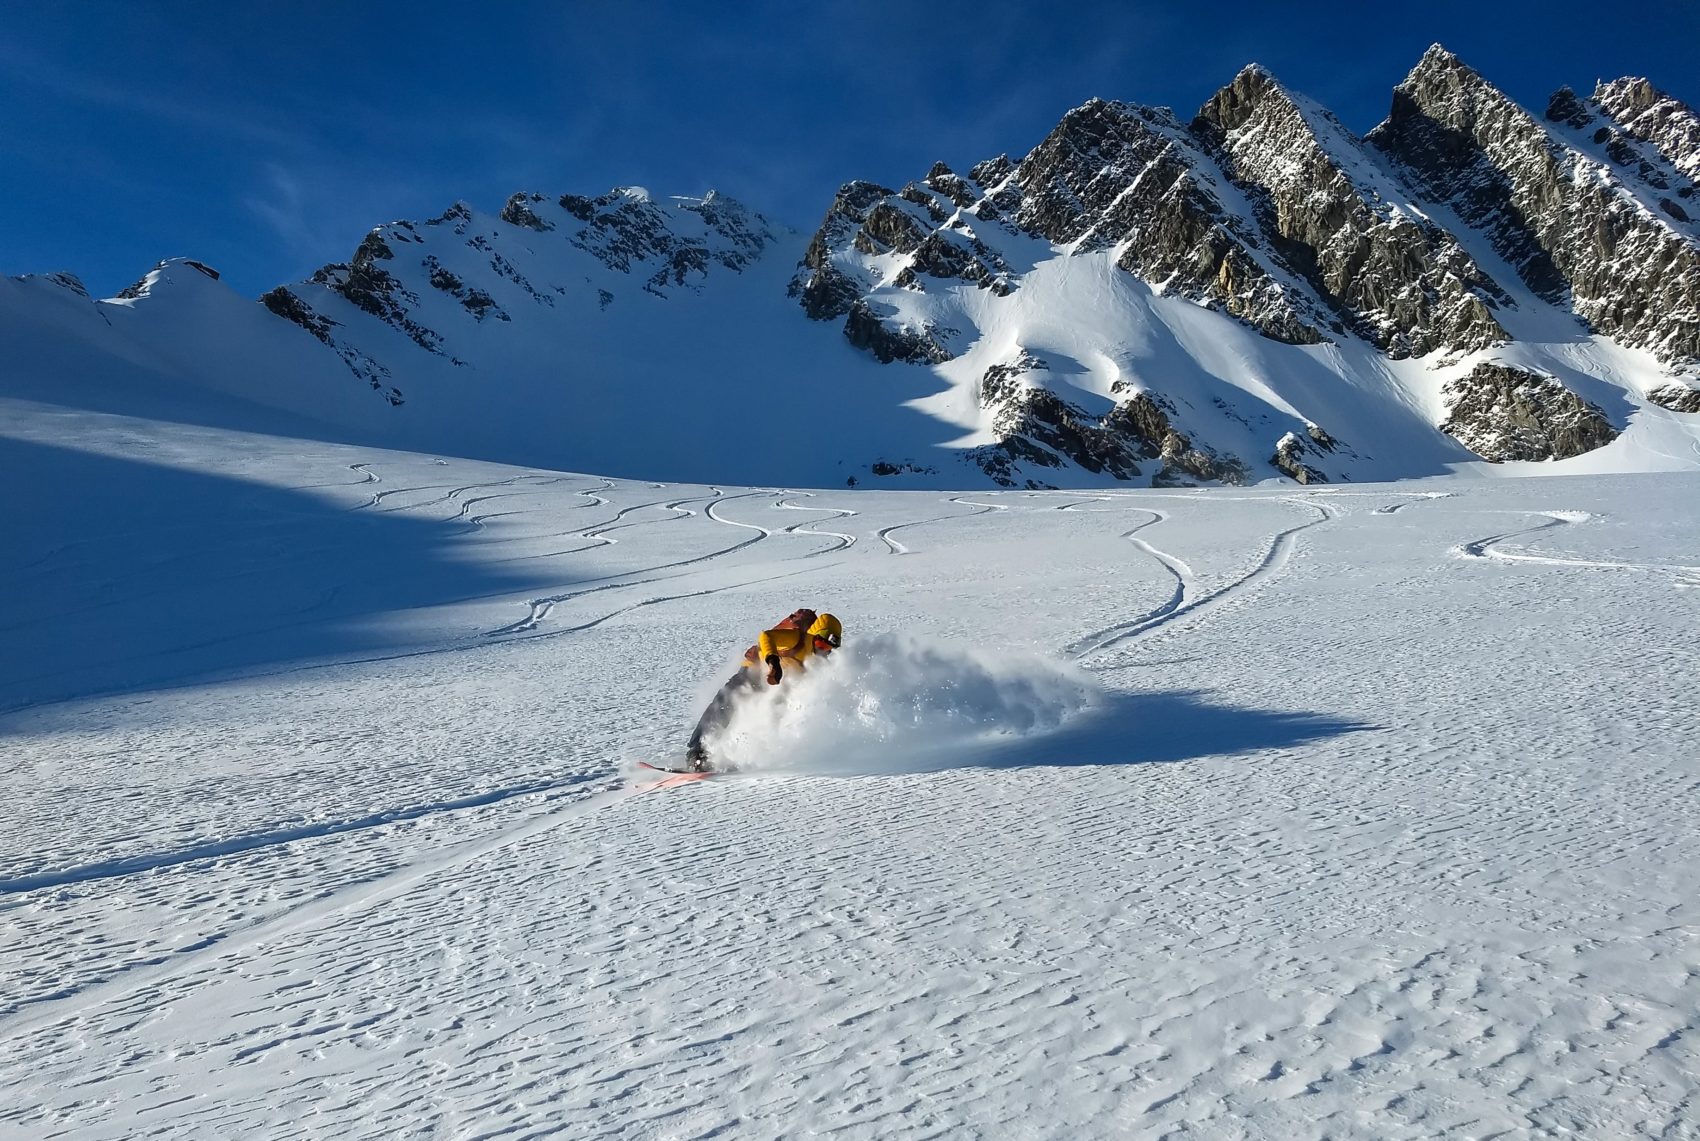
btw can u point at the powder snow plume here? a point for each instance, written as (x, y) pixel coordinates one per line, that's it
(883, 703)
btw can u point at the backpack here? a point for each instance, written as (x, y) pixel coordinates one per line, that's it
(800, 619)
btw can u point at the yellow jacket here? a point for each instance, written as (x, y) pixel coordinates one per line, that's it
(792, 645)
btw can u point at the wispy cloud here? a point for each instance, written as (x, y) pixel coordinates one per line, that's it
(232, 121)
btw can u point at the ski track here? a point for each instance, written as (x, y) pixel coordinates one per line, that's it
(1429, 497)
(1183, 577)
(1488, 548)
(540, 608)
(371, 478)
(237, 942)
(1272, 562)
(661, 598)
(844, 541)
(1035, 992)
(897, 548)
(237, 845)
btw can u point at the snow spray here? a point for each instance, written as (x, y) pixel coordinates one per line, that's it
(887, 703)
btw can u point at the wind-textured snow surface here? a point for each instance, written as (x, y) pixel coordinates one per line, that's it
(1267, 813)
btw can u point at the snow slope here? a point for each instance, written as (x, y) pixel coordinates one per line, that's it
(1267, 813)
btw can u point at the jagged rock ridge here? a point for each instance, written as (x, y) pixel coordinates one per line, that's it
(1266, 208)
(1577, 229)
(1250, 293)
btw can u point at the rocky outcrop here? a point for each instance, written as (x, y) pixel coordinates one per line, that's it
(371, 286)
(1289, 459)
(1109, 175)
(521, 211)
(476, 261)
(1503, 413)
(284, 302)
(893, 341)
(625, 227)
(1039, 429)
(69, 281)
(476, 301)
(1569, 225)
(1115, 175)
(825, 290)
(1395, 278)
(1676, 397)
(1667, 125)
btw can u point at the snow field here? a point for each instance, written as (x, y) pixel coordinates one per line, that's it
(1352, 812)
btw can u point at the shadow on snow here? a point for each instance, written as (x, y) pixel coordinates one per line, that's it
(1122, 729)
(132, 576)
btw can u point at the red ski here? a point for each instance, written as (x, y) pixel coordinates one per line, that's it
(670, 778)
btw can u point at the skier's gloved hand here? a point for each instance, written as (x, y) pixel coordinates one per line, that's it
(774, 673)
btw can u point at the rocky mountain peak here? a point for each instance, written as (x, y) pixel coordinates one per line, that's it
(1341, 222)
(1437, 62)
(1601, 235)
(1131, 297)
(1624, 97)
(1665, 124)
(1233, 105)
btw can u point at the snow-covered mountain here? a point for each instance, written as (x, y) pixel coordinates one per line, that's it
(1250, 294)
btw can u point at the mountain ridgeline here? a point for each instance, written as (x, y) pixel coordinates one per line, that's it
(1455, 224)
(1252, 293)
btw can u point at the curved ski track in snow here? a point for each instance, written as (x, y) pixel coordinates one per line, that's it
(371, 477)
(237, 845)
(844, 540)
(1272, 562)
(1488, 548)
(896, 548)
(242, 938)
(540, 608)
(1427, 497)
(1183, 577)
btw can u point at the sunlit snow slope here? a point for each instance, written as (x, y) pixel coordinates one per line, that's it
(1279, 813)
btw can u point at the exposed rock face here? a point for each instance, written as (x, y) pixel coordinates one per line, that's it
(68, 281)
(371, 286)
(1367, 262)
(1669, 126)
(1267, 208)
(1394, 277)
(866, 330)
(826, 290)
(1109, 175)
(1574, 228)
(476, 301)
(626, 227)
(287, 305)
(1289, 457)
(1504, 413)
(462, 257)
(1116, 175)
(1040, 429)
(1676, 397)
(520, 211)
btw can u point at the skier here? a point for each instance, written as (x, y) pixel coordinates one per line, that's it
(802, 635)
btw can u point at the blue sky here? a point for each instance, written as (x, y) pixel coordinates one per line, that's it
(267, 138)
